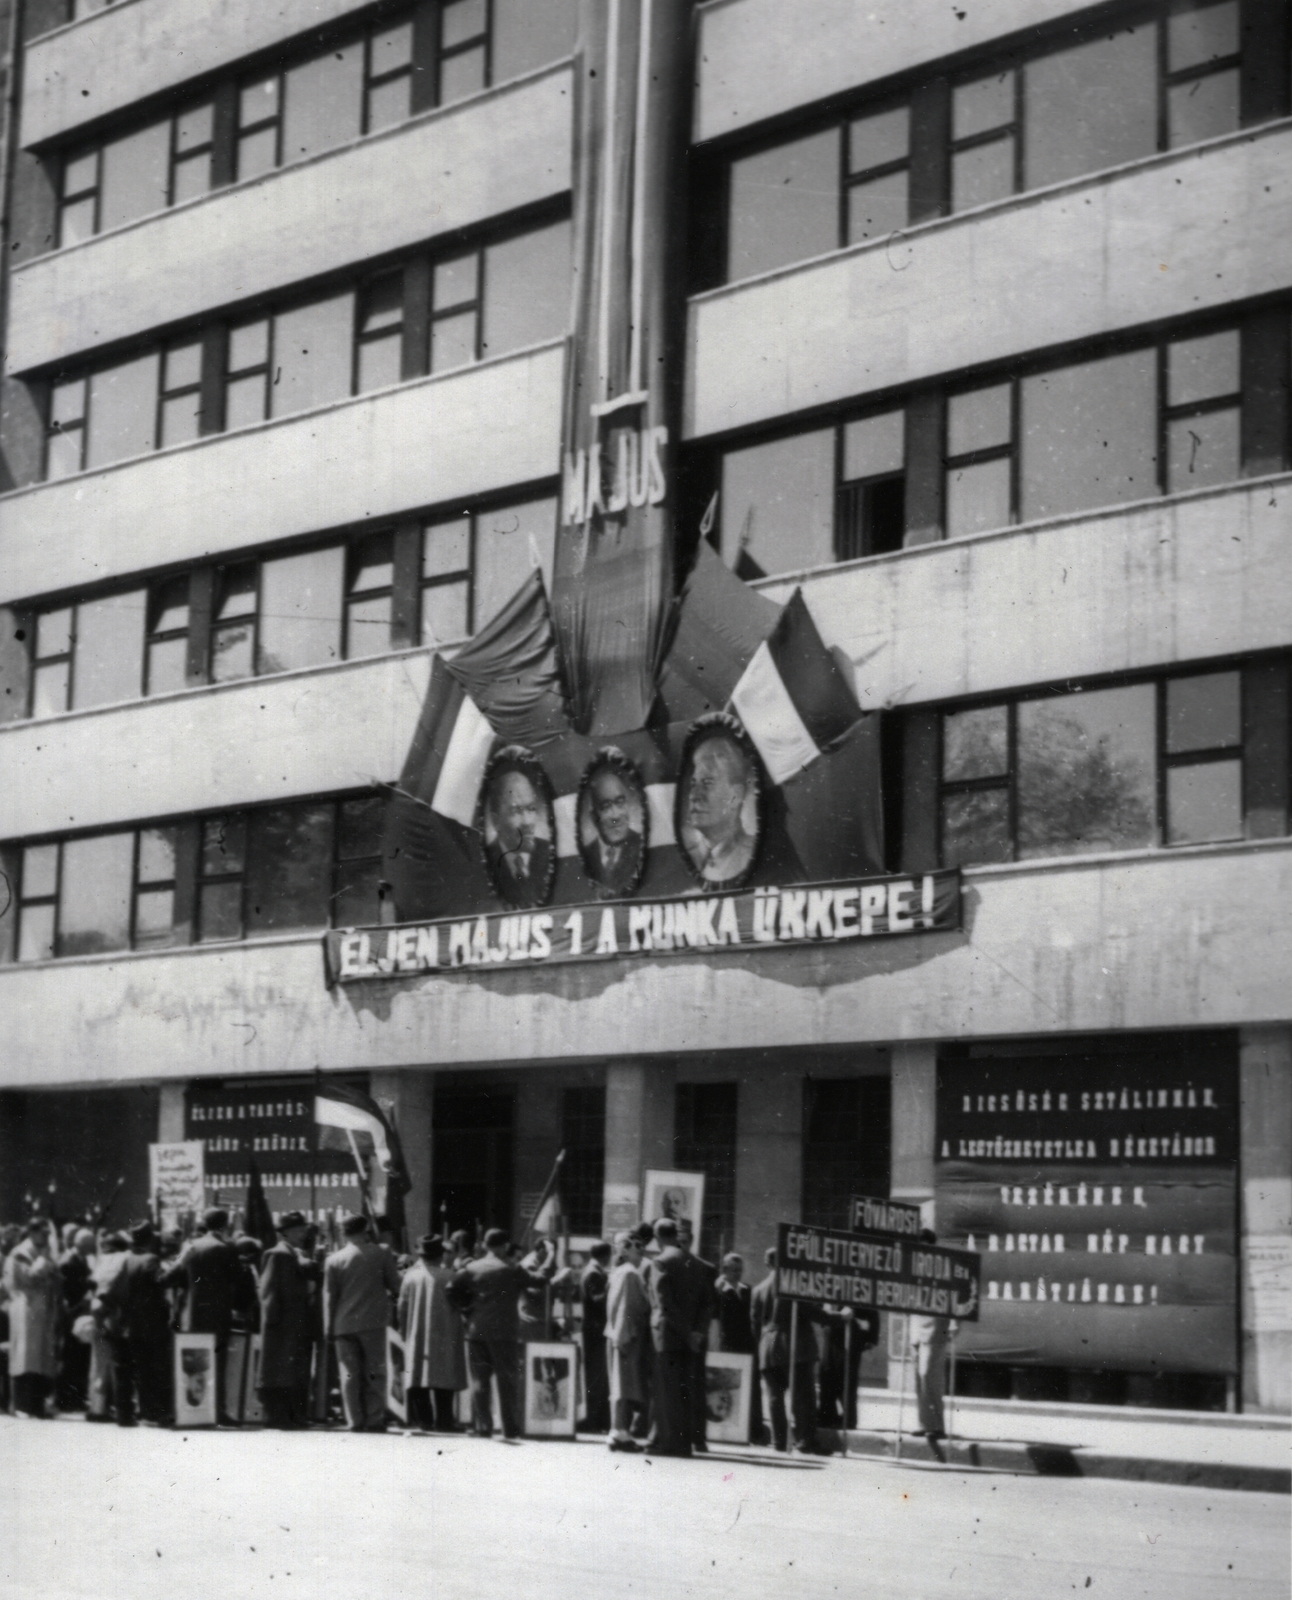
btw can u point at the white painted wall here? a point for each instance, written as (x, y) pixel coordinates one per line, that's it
(1195, 938)
(1179, 579)
(445, 170)
(427, 442)
(336, 727)
(140, 47)
(1164, 237)
(760, 58)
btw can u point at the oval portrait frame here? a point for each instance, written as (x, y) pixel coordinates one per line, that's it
(612, 759)
(721, 725)
(517, 758)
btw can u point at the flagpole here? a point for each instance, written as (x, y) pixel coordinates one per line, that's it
(544, 1197)
(363, 1177)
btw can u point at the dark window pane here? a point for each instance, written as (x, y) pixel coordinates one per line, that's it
(528, 34)
(1201, 33)
(237, 593)
(312, 346)
(123, 410)
(359, 829)
(1203, 713)
(36, 933)
(878, 206)
(874, 446)
(527, 290)
(847, 1144)
(978, 498)
(462, 75)
(381, 303)
(323, 102)
(506, 542)
(882, 137)
(372, 563)
(704, 1140)
(984, 104)
(1204, 802)
(134, 175)
(778, 504)
(784, 205)
(300, 610)
(975, 828)
(168, 605)
(109, 649)
(95, 898)
(983, 173)
(583, 1136)
(289, 868)
(1089, 435)
(219, 912)
(1090, 107)
(224, 845)
(357, 902)
(1202, 109)
(975, 744)
(1202, 451)
(1086, 766)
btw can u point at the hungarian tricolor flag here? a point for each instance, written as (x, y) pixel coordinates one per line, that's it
(352, 1121)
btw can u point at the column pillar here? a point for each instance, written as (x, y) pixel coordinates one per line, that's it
(405, 1097)
(170, 1113)
(914, 1119)
(769, 1158)
(1265, 1170)
(639, 1134)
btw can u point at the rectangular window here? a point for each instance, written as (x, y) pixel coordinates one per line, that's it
(356, 897)
(179, 418)
(313, 354)
(847, 1144)
(94, 898)
(379, 333)
(463, 49)
(1203, 62)
(121, 410)
(1095, 770)
(322, 103)
(878, 185)
(154, 908)
(246, 382)
(300, 610)
(289, 868)
(388, 77)
(233, 623)
(870, 517)
(168, 615)
(583, 1173)
(134, 175)
(455, 312)
(446, 581)
(784, 205)
(65, 436)
(259, 126)
(704, 1140)
(526, 290)
(38, 903)
(1202, 412)
(525, 34)
(221, 864)
(51, 667)
(370, 576)
(79, 206)
(984, 139)
(192, 152)
(109, 649)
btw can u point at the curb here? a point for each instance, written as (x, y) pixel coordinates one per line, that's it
(1057, 1461)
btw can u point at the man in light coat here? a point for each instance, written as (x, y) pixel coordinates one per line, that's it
(34, 1288)
(627, 1342)
(431, 1329)
(360, 1286)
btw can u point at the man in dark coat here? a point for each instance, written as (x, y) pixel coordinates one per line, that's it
(488, 1292)
(594, 1284)
(75, 1273)
(677, 1299)
(732, 1298)
(785, 1361)
(361, 1286)
(210, 1275)
(703, 1275)
(287, 1319)
(135, 1316)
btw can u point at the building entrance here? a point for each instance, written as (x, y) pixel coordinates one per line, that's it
(472, 1157)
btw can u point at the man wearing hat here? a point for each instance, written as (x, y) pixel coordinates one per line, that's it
(488, 1292)
(287, 1291)
(135, 1317)
(432, 1333)
(210, 1274)
(360, 1284)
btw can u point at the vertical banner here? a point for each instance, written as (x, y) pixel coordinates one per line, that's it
(1101, 1190)
(613, 568)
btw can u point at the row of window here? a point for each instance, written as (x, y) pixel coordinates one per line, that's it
(433, 54)
(276, 869)
(431, 314)
(1175, 760)
(1167, 416)
(1168, 74)
(431, 583)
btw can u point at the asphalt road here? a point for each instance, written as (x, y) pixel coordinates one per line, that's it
(95, 1513)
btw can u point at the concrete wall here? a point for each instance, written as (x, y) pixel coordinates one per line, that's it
(1168, 580)
(490, 155)
(136, 48)
(760, 58)
(1170, 236)
(427, 442)
(1166, 939)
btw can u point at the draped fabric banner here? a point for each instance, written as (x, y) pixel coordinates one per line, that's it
(612, 580)
(1101, 1190)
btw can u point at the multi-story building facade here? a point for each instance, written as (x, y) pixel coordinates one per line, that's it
(986, 346)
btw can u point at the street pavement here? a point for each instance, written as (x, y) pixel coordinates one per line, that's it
(99, 1513)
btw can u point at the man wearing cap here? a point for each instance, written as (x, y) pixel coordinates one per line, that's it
(135, 1316)
(210, 1274)
(287, 1291)
(360, 1286)
(488, 1293)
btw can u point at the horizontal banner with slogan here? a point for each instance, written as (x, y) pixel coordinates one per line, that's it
(758, 918)
(876, 1270)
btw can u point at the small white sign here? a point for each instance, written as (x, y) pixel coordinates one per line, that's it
(177, 1180)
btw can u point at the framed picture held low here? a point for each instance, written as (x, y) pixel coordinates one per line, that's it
(728, 1396)
(551, 1390)
(195, 1366)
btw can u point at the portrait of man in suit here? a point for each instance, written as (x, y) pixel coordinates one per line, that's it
(518, 832)
(718, 812)
(612, 825)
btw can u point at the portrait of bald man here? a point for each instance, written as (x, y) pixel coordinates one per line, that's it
(518, 838)
(716, 786)
(611, 828)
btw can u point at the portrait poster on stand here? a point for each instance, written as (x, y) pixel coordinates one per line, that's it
(677, 1195)
(728, 1396)
(195, 1380)
(396, 1391)
(551, 1390)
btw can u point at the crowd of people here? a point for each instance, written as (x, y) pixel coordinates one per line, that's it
(86, 1319)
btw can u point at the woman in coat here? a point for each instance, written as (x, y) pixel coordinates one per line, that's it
(432, 1332)
(35, 1294)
